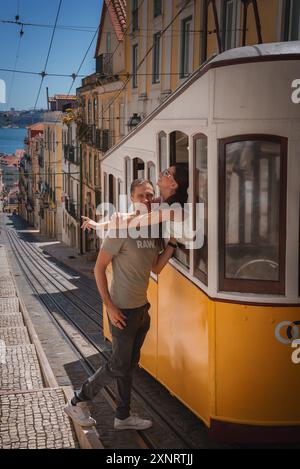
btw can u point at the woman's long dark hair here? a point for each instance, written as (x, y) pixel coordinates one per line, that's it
(181, 176)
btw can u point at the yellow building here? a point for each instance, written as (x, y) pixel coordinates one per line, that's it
(168, 40)
(51, 203)
(102, 106)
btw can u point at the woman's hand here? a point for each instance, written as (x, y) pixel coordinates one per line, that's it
(88, 224)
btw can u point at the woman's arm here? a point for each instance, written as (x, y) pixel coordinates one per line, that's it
(135, 221)
(89, 224)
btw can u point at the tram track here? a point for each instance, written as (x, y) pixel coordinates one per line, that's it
(28, 265)
(59, 275)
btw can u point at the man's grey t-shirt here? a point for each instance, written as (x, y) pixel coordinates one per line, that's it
(131, 266)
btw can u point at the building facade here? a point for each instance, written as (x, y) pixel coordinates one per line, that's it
(103, 124)
(71, 186)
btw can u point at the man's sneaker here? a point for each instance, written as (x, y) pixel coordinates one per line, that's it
(134, 422)
(80, 414)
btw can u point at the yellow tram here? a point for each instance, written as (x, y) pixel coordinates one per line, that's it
(225, 317)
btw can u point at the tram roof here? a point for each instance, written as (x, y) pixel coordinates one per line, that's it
(259, 50)
(273, 51)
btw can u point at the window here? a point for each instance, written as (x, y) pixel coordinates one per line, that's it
(138, 168)
(89, 112)
(152, 174)
(156, 58)
(179, 143)
(119, 194)
(95, 109)
(104, 187)
(186, 49)
(135, 15)
(90, 168)
(162, 151)
(230, 21)
(157, 8)
(252, 207)
(134, 65)
(291, 26)
(201, 197)
(111, 119)
(108, 42)
(101, 116)
(95, 171)
(179, 154)
(122, 119)
(111, 190)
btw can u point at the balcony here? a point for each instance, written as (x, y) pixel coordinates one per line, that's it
(106, 140)
(71, 208)
(70, 154)
(98, 197)
(104, 65)
(85, 133)
(41, 161)
(90, 80)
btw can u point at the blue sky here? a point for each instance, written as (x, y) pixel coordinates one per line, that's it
(67, 51)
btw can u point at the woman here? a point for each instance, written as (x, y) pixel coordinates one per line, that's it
(173, 185)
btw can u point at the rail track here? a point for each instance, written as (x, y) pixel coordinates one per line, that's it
(55, 289)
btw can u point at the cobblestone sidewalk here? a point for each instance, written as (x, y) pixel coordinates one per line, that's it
(31, 416)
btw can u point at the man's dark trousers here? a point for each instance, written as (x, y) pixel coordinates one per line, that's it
(126, 346)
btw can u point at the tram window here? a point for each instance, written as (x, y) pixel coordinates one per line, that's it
(179, 154)
(201, 197)
(162, 151)
(111, 190)
(105, 187)
(252, 214)
(138, 168)
(152, 173)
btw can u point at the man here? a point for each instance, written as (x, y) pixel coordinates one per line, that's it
(127, 307)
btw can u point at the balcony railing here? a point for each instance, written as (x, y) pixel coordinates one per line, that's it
(70, 154)
(85, 133)
(101, 139)
(71, 208)
(98, 197)
(106, 140)
(41, 161)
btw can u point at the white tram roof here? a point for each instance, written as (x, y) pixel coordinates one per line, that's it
(259, 50)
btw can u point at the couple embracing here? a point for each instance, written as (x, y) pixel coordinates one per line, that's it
(132, 259)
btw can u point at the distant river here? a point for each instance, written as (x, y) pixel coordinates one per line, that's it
(11, 140)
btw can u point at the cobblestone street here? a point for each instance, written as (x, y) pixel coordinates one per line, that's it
(31, 416)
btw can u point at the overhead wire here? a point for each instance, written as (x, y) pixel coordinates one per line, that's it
(48, 54)
(21, 33)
